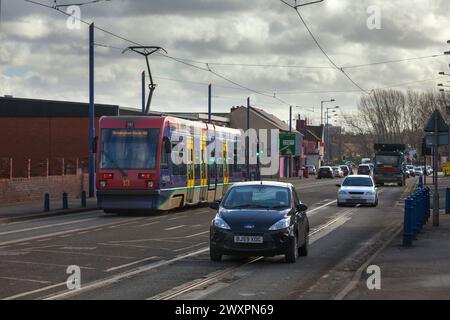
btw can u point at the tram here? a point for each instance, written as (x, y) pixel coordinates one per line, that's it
(136, 170)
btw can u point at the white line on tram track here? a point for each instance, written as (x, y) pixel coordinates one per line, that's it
(176, 227)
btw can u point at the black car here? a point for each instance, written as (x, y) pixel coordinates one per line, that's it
(325, 172)
(260, 218)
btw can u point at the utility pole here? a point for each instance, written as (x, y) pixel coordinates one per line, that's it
(143, 91)
(209, 103)
(290, 131)
(91, 112)
(435, 170)
(247, 141)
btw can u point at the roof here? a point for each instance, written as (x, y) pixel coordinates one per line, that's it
(11, 107)
(275, 120)
(317, 131)
(264, 183)
(281, 125)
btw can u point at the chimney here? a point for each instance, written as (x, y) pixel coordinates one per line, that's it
(301, 124)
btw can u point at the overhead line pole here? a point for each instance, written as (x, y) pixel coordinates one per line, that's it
(91, 112)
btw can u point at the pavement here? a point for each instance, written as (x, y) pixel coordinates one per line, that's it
(35, 209)
(417, 272)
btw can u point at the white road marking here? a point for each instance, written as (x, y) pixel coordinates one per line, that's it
(46, 226)
(113, 279)
(309, 212)
(82, 254)
(148, 224)
(190, 247)
(26, 280)
(176, 218)
(27, 293)
(44, 264)
(173, 228)
(196, 234)
(131, 263)
(54, 234)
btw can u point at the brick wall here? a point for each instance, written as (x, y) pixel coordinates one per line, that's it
(23, 189)
(43, 138)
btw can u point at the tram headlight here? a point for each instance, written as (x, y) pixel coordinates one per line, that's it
(102, 183)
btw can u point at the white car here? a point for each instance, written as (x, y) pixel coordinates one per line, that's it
(358, 189)
(337, 172)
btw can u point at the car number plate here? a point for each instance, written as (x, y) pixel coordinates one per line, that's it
(248, 239)
(356, 197)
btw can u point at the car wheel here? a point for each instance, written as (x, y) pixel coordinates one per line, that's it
(375, 203)
(340, 204)
(214, 254)
(303, 250)
(292, 253)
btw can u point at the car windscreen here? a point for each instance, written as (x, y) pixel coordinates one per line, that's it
(325, 169)
(385, 160)
(129, 148)
(357, 182)
(257, 196)
(364, 169)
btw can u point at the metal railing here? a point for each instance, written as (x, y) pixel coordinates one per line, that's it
(27, 168)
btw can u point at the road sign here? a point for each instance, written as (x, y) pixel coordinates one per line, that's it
(442, 139)
(290, 144)
(441, 125)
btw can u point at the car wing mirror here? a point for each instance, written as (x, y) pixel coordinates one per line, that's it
(338, 185)
(214, 205)
(302, 207)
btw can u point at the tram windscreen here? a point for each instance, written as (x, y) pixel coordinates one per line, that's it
(129, 148)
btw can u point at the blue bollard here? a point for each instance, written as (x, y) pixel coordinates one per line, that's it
(408, 223)
(422, 209)
(83, 199)
(64, 200)
(420, 182)
(447, 200)
(418, 212)
(46, 202)
(413, 215)
(427, 203)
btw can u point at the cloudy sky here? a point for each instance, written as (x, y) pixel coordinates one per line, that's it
(41, 57)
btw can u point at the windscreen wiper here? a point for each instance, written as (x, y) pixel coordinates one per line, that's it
(122, 172)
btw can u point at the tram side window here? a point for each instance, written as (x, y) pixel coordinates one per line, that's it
(197, 171)
(178, 169)
(164, 153)
(220, 171)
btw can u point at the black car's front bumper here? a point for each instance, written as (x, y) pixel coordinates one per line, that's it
(274, 242)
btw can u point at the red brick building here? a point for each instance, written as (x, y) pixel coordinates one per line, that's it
(36, 135)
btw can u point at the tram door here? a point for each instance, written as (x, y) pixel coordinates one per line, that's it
(225, 165)
(203, 168)
(212, 169)
(190, 170)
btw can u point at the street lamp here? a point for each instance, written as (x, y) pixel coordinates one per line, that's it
(327, 135)
(321, 109)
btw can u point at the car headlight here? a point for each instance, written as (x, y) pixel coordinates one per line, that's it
(281, 224)
(220, 223)
(342, 192)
